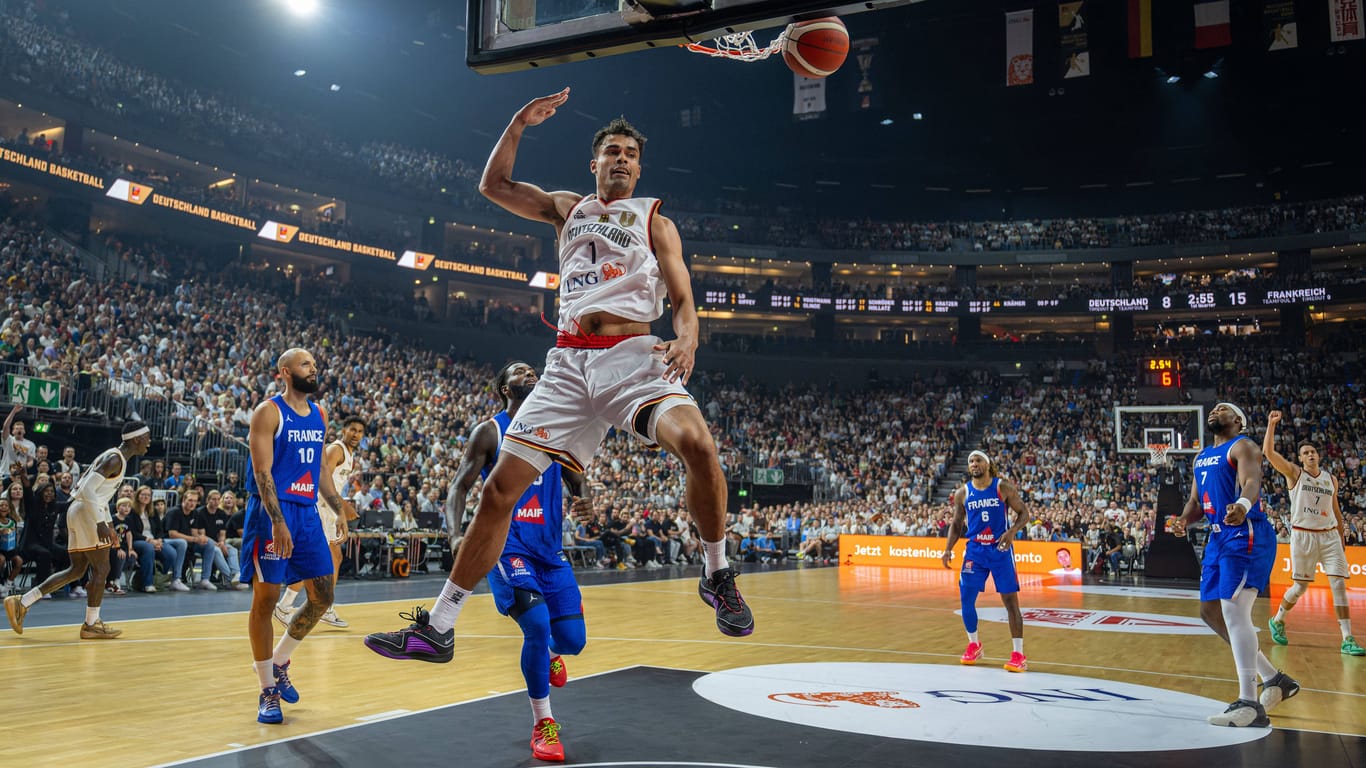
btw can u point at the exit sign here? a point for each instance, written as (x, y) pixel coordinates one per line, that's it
(35, 393)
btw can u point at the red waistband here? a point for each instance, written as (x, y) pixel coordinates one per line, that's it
(590, 340)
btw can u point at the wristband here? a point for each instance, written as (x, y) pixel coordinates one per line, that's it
(1245, 504)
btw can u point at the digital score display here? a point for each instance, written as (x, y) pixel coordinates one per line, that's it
(1160, 372)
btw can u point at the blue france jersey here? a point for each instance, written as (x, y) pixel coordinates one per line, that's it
(1216, 486)
(986, 512)
(298, 455)
(539, 514)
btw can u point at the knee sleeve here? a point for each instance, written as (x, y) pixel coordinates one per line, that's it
(1339, 587)
(968, 597)
(1297, 591)
(535, 624)
(568, 635)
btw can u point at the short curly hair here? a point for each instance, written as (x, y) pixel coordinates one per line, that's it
(618, 127)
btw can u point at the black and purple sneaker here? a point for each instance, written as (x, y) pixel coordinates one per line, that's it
(420, 641)
(718, 590)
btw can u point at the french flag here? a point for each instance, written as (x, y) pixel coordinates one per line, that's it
(1211, 25)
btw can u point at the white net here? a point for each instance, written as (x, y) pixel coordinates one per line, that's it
(739, 46)
(1157, 454)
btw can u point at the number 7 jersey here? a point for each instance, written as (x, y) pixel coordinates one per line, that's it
(298, 459)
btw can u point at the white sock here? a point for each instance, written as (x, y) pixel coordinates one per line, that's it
(287, 598)
(714, 556)
(264, 673)
(1017, 644)
(448, 605)
(540, 710)
(284, 649)
(1242, 637)
(1346, 626)
(1265, 669)
(972, 637)
(30, 597)
(1280, 615)
(92, 615)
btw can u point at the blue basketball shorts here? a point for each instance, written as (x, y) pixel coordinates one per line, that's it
(982, 560)
(552, 580)
(1238, 557)
(311, 558)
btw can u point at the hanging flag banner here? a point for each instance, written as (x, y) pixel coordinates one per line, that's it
(1279, 30)
(1020, 48)
(808, 101)
(1140, 29)
(1344, 18)
(1076, 59)
(1212, 28)
(863, 54)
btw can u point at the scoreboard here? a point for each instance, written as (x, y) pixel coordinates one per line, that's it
(1159, 372)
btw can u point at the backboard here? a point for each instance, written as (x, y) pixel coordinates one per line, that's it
(508, 35)
(1182, 427)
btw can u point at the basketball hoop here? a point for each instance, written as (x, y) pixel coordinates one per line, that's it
(1157, 454)
(739, 46)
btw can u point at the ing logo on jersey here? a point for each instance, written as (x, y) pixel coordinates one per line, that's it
(541, 432)
(612, 271)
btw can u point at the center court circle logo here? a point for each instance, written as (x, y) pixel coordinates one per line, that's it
(953, 704)
(1101, 621)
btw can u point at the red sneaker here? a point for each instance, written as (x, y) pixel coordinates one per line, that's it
(559, 674)
(971, 654)
(1017, 662)
(545, 741)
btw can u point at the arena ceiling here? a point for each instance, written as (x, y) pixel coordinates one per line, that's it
(1123, 139)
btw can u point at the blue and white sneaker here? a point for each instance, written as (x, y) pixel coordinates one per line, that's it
(268, 710)
(282, 683)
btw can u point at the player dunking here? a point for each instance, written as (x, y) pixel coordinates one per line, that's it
(339, 461)
(618, 258)
(89, 535)
(533, 582)
(1317, 531)
(1237, 561)
(980, 505)
(282, 535)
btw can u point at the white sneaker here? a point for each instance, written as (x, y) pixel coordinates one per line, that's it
(179, 586)
(239, 586)
(207, 586)
(331, 617)
(283, 613)
(149, 588)
(78, 591)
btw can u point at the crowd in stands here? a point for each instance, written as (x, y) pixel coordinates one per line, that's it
(196, 351)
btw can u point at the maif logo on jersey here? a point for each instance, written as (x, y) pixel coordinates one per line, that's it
(531, 513)
(303, 486)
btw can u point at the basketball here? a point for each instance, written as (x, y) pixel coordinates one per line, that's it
(816, 48)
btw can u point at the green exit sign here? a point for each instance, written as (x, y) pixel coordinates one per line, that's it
(41, 428)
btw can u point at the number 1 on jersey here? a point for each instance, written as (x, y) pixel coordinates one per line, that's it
(593, 247)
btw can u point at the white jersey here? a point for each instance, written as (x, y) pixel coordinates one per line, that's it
(341, 476)
(1311, 502)
(607, 261)
(93, 491)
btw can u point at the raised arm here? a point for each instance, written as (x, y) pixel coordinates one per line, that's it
(526, 200)
(679, 353)
(1281, 464)
(480, 451)
(9, 421)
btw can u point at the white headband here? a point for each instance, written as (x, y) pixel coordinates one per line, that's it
(139, 432)
(985, 457)
(1236, 412)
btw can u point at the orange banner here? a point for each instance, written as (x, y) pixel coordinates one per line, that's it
(1055, 557)
(1356, 566)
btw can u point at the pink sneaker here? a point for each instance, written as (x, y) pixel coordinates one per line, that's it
(971, 654)
(1017, 662)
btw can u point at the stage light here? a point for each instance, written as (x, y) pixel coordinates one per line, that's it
(300, 72)
(887, 121)
(1211, 75)
(302, 8)
(335, 88)
(1173, 80)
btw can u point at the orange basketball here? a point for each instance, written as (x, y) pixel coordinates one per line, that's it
(816, 48)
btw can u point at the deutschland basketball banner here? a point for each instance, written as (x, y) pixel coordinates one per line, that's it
(1279, 30)
(1020, 48)
(1076, 58)
(1344, 20)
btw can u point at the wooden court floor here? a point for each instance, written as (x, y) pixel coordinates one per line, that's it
(178, 688)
